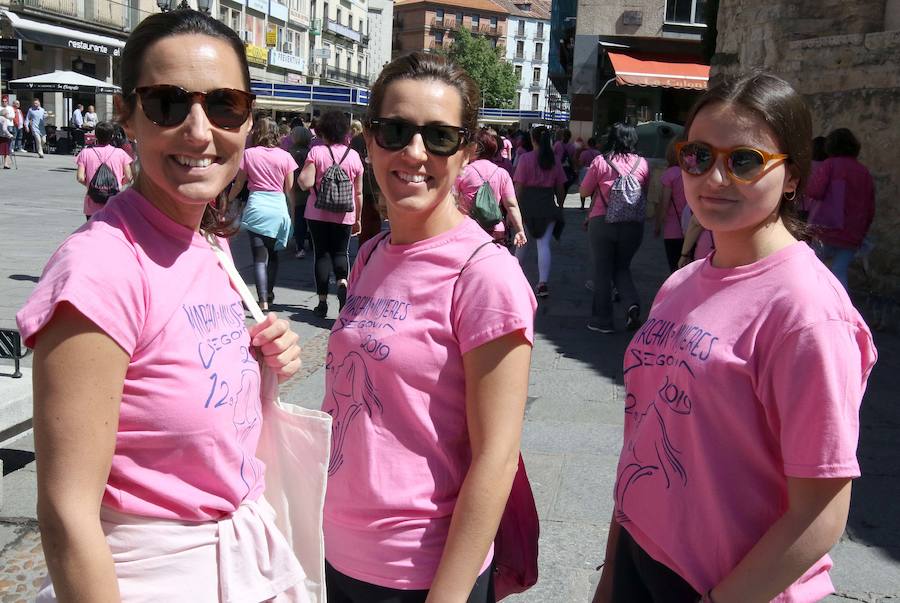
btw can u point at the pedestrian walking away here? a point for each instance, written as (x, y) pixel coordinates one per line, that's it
(301, 138)
(149, 487)
(484, 171)
(618, 178)
(19, 126)
(6, 139)
(670, 207)
(750, 370)
(268, 171)
(540, 190)
(333, 172)
(428, 362)
(89, 161)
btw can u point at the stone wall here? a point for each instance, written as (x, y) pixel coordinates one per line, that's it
(606, 17)
(837, 54)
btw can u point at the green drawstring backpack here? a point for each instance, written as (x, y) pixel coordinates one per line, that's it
(486, 209)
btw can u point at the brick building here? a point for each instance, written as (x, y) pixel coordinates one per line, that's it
(843, 57)
(429, 24)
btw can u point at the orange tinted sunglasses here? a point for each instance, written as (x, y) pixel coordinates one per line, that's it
(743, 164)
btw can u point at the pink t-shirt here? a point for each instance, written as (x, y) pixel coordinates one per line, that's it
(529, 172)
(90, 159)
(395, 386)
(600, 177)
(671, 178)
(587, 157)
(352, 164)
(475, 174)
(506, 151)
(190, 410)
(266, 168)
(739, 378)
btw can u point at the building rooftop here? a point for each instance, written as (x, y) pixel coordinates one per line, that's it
(530, 9)
(482, 5)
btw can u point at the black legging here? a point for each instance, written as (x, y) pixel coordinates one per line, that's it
(344, 589)
(265, 265)
(331, 243)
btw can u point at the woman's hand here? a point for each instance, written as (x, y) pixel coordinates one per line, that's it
(684, 260)
(356, 229)
(278, 345)
(520, 239)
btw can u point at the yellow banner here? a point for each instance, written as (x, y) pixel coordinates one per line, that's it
(271, 38)
(257, 55)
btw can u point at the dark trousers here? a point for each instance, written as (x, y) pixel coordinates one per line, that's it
(331, 243)
(344, 589)
(673, 252)
(301, 232)
(638, 578)
(612, 248)
(265, 265)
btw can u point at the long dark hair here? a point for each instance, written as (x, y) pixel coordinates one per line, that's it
(621, 140)
(218, 218)
(786, 114)
(422, 66)
(544, 144)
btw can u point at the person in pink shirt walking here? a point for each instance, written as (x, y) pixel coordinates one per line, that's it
(427, 366)
(669, 209)
(90, 159)
(840, 243)
(482, 170)
(147, 405)
(735, 473)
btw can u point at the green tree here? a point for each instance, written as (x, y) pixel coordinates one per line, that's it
(486, 66)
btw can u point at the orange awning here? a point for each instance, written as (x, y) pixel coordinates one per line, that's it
(664, 72)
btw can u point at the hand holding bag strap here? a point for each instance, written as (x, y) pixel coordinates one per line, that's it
(294, 444)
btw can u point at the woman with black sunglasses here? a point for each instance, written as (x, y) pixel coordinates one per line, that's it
(427, 366)
(735, 472)
(146, 391)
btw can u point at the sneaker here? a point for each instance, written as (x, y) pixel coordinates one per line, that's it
(542, 290)
(342, 296)
(300, 254)
(321, 310)
(589, 285)
(633, 317)
(594, 325)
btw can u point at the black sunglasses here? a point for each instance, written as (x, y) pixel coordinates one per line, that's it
(168, 106)
(394, 134)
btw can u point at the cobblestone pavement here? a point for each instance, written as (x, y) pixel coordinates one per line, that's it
(572, 432)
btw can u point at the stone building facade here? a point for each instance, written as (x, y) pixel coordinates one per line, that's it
(844, 57)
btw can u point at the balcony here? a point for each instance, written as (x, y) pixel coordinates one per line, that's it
(346, 77)
(519, 56)
(486, 29)
(536, 86)
(435, 45)
(445, 23)
(106, 14)
(342, 31)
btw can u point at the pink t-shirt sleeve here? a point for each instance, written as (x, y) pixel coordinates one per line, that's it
(507, 190)
(814, 388)
(486, 307)
(79, 273)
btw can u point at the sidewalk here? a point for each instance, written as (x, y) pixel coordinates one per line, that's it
(573, 424)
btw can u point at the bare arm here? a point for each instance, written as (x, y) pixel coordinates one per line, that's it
(76, 416)
(693, 233)
(239, 181)
(603, 594)
(127, 175)
(357, 202)
(496, 388)
(515, 217)
(307, 176)
(81, 176)
(815, 519)
(289, 192)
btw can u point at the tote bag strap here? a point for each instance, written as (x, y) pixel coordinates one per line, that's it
(236, 281)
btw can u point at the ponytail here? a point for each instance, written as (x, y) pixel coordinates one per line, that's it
(546, 158)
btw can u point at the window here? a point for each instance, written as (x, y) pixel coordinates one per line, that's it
(520, 49)
(349, 62)
(518, 70)
(439, 38)
(439, 15)
(536, 76)
(493, 22)
(325, 13)
(540, 30)
(535, 102)
(359, 66)
(459, 19)
(521, 30)
(689, 12)
(340, 15)
(475, 21)
(539, 51)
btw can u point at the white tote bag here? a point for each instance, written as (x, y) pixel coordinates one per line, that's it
(295, 445)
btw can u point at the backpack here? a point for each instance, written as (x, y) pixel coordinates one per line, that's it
(104, 184)
(485, 209)
(627, 202)
(335, 192)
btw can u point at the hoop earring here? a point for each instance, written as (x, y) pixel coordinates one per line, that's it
(792, 197)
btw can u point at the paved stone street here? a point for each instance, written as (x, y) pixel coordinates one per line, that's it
(573, 425)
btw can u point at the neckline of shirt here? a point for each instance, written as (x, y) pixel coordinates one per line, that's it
(160, 220)
(457, 232)
(710, 272)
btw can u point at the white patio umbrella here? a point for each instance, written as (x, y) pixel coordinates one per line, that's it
(64, 81)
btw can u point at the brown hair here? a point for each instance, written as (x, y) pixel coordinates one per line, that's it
(786, 114)
(486, 142)
(265, 133)
(422, 66)
(218, 217)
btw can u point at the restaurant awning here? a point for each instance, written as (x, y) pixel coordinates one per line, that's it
(638, 69)
(64, 81)
(64, 37)
(280, 104)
